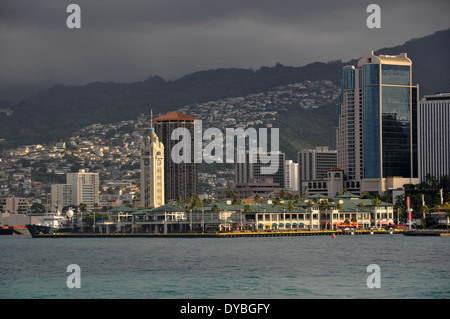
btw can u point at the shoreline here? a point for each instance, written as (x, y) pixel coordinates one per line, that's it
(219, 234)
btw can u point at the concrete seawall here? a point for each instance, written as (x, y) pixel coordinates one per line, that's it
(217, 235)
(440, 233)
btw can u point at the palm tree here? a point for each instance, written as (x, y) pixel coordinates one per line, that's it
(291, 206)
(310, 205)
(361, 205)
(376, 201)
(215, 208)
(325, 204)
(425, 210)
(339, 208)
(231, 194)
(178, 201)
(188, 201)
(277, 201)
(236, 201)
(194, 203)
(197, 203)
(247, 209)
(206, 201)
(257, 198)
(399, 211)
(83, 207)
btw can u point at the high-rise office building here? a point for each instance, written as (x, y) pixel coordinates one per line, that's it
(180, 179)
(61, 195)
(376, 132)
(433, 124)
(80, 188)
(349, 123)
(291, 175)
(85, 187)
(152, 171)
(313, 164)
(246, 170)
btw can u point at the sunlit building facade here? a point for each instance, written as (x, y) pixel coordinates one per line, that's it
(434, 136)
(376, 124)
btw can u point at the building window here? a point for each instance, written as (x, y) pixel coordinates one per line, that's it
(371, 74)
(395, 74)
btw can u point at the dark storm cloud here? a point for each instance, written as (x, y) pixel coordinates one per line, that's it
(131, 40)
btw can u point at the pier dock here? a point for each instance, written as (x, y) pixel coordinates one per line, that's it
(427, 232)
(219, 234)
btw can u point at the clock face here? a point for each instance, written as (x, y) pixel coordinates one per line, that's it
(146, 162)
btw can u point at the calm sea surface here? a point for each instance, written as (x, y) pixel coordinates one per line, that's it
(213, 268)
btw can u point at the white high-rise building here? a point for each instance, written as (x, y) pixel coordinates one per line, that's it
(152, 171)
(85, 187)
(80, 188)
(291, 175)
(433, 136)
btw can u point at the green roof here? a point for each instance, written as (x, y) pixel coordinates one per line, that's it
(170, 207)
(348, 195)
(319, 196)
(349, 203)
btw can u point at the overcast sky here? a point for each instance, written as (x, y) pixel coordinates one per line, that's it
(129, 40)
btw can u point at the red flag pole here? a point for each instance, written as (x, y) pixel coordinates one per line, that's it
(409, 210)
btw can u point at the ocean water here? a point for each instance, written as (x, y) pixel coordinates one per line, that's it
(223, 268)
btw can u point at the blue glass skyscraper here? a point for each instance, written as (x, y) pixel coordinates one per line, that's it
(377, 122)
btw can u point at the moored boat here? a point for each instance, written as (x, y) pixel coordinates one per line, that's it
(52, 223)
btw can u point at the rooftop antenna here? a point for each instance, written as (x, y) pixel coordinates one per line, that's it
(151, 120)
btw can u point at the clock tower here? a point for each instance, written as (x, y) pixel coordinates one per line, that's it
(152, 171)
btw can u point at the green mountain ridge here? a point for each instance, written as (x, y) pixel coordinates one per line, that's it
(55, 114)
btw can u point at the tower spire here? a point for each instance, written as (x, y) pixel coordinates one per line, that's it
(151, 118)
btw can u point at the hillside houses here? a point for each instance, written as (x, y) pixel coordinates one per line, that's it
(112, 150)
(260, 109)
